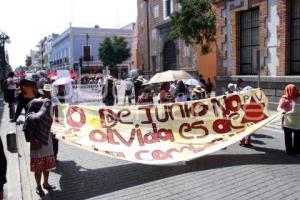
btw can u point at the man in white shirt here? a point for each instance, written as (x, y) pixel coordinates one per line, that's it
(9, 94)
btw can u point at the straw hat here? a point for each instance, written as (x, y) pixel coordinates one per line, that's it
(231, 86)
(47, 88)
(140, 78)
(110, 78)
(198, 89)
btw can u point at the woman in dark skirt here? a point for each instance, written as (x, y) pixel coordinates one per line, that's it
(38, 124)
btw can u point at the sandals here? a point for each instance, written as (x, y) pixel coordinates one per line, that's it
(49, 187)
(40, 191)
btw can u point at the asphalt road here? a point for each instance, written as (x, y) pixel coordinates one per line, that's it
(261, 172)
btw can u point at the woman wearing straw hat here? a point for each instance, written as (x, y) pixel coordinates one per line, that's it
(199, 93)
(47, 90)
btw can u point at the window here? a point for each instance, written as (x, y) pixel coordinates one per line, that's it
(86, 53)
(295, 37)
(249, 40)
(156, 11)
(154, 34)
(168, 8)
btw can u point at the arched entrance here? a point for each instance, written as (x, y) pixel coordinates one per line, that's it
(169, 55)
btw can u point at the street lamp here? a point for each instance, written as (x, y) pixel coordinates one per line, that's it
(3, 39)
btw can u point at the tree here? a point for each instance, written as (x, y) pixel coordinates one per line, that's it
(195, 23)
(113, 52)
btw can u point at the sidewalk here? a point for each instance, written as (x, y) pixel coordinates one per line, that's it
(13, 188)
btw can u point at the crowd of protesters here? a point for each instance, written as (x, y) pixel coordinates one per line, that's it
(35, 97)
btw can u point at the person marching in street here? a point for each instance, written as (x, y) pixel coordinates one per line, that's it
(128, 90)
(164, 94)
(199, 93)
(208, 88)
(47, 90)
(230, 89)
(109, 92)
(239, 85)
(138, 84)
(9, 93)
(3, 169)
(246, 141)
(181, 92)
(28, 92)
(202, 80)
(289, 104)
(38, 121)
(146, 97)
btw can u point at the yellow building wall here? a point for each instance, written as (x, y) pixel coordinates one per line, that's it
(207, 64)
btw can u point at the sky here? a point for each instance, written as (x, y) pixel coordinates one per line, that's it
(27, 21)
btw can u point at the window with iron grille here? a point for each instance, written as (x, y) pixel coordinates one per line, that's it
(295, 38)
(249, 40)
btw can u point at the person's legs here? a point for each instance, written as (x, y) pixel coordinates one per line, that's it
(20, 107)
(248, 140)
(46, 178)
(55, 147)
(129, 98)
(38, 177)
(11, 110)
(296, 146)
(288, 140)
(243, 142)
(46, 184)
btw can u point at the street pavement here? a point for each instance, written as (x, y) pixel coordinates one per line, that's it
(261, 172)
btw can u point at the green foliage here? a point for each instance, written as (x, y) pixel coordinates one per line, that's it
(113, 51)
(195, 23)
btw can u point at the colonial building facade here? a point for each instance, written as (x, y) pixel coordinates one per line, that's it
(258, 36)
(79, 46)
(157, 51)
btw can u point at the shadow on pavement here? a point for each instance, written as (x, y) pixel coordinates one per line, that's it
(80, 183)
(256, 135)
(258, 142)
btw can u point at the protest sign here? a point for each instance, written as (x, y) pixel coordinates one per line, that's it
(90, 93)
(165, 133)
